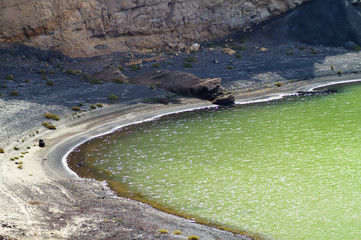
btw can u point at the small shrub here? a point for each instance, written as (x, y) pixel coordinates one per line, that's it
(332, 67)
(118, 81)
(99, 105)
(301, 48)
(238, 55)
(9, 77)
(72, 72)
(28, 147)
(113, 97)
(27, 81)
(76, 108)
(163, 231)
(80, 104)
(16, 158)
(212, 45)
(313, 51)
(41, 71)
(1, 94)
(121, 68)
(230, 67)
(4, 86)
(16, 148)
(357, 48)
(52, 116)
(134, 68)
(188, 65)
(44, 77)
(338, 72)
(156, 65)
(92, 106)
(243, 39)
(289, 53)
(151, 87)
(14, 93)
(86, 76)
(49, 83)
(51, 72)
(177, 232)
(236, 47)
(20, 166)
(48, 125)
(96, 81)
(2, 150)
(278, 84)
(191, 59)
(192, 237)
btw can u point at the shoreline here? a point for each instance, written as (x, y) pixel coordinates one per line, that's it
(50, 200)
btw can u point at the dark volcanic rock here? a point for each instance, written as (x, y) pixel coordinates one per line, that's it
(180, 82)
(224, 99)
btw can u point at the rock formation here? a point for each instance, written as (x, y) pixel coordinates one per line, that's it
(83, 28)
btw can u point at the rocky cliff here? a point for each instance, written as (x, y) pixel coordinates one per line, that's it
(81, 28)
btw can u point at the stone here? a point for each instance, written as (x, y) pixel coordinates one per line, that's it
(181, 83)
(224, 99)
(110, 75)
(41, 143)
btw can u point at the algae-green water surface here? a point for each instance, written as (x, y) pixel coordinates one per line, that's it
(286, 169)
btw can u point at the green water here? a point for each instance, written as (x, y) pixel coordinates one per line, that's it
(287, 169)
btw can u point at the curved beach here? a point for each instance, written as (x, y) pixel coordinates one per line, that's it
(44, 200)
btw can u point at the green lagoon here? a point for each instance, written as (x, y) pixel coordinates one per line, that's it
(284, 169)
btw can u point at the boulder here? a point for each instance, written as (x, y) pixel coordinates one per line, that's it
(110, 75)
(224, 99)
(181, 83)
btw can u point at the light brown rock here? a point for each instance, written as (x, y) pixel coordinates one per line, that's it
(83, 28)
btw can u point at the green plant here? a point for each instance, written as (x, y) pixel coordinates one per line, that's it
(41, 71)
(301, 48)
(243, 39)
(27, 80)
(16, 148)
(2, 150)
(238, 55)
(289, 52)
(188, 65)
(4, 86)
(121, 68)
(48, 125)
(237, 47)
(212, 45)
(1, 94)
(52, 116)
(72, 72)
(44, 77)
(113, 97)
(96, 81)
(230, 67)
(313, 51)
(9, 77)
(191, 59)
(192, 237)
(177, 232)
(118, 81)
(357, 48)
(99, 105)
(14, 93)
(338, 72)
(28, 147)
(86, 76)
(20, 166)
(332, 67)
(49, 83)
(163, 231)
(156, 65)
(51, 72)
(278, 84)
(134, 68)
(151, 87)
(80, 104)
(92, 106)
(76, 108)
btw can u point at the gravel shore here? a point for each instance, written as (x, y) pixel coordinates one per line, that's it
(43, 200)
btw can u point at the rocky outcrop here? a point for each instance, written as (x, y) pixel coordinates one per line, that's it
(83, 28)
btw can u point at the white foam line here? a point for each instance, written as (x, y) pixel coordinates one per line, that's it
(249, 101)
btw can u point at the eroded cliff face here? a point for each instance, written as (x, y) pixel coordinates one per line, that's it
(83, 28)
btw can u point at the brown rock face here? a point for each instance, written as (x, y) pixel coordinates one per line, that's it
(82, 28)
